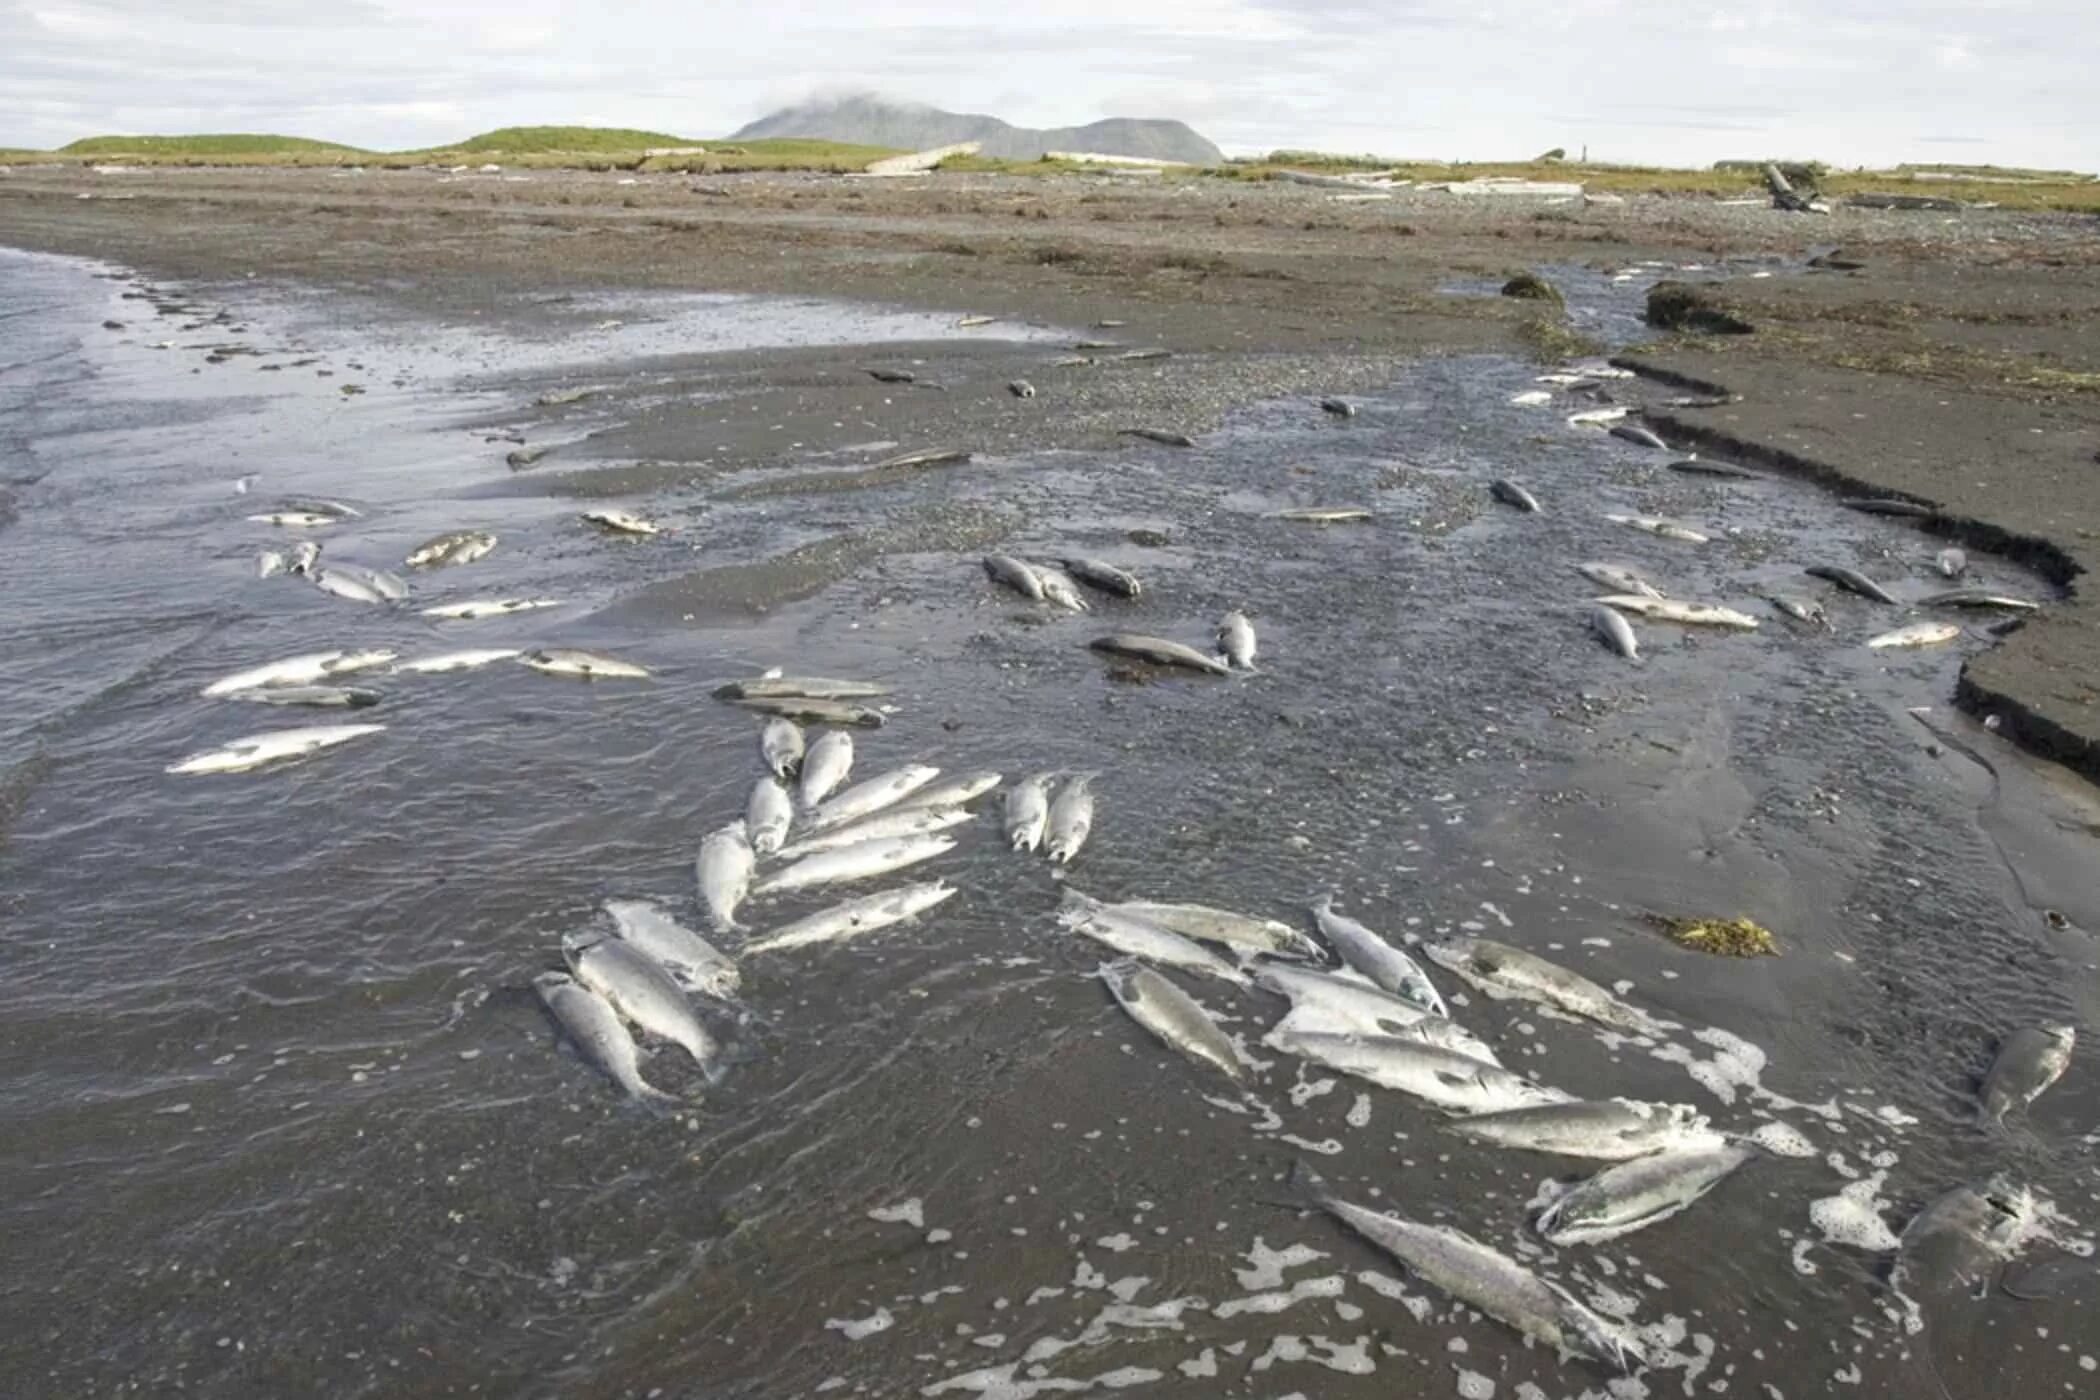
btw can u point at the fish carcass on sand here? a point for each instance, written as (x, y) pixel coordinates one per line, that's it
(1636, 1194)
(640, 988)
(1236, 640)
(861, 861)
(1852, 580)
(1481, 1278)
(474, 609)
(1060, 590)
(1106, 577)
(898, 821)
(1952, 563)
(768, 814)
(1978, 598)
(455, 661)
(2028, 1061)
(1324, 515)
(457, 547)
(1241, 932)
(799, 687)
(1159, 652)
(1140, 938)
(1383, 965)
(1411, 1065)
(825, 766)
(1956, 1243)
(955, 792)
(1619, 580)
(812, 709)
(621, 522)
(277, 746)
(299, 670)
(1800, 609)
(1639, 435)
(1502, 971)
(854, 918)
(1611, 626)
(690, 959)
(595, 1029)
(1171, 1014)
(1511, 494)
(1015, 574)
(862, 799)
(1673, 610)
(1071, 819)
(1027, 811)
(1614, 1130)
(780, 744)
(581, 665)
(724, 868)
(1332, 1017)
(1662, 529)
(1918, 634)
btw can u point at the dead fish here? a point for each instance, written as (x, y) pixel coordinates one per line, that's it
(1444, 1078)
(924, 457)
(473, 609)
(1027, 812)
(621, 522)
(1021, 389)
(1509, 493)
(1596, 417)
(768, 814)
(1071, 820)
(1673, 610)
(1619, 580)
(581, 665)
(277, 746)
(1377, 961)
(780, 744)
(1615, 631)
(860, 861)
(1693, 466)
(595, 1029)
(799, 688)
(1800, 609)
(1159, 652)
(1060, 590)
(825, 766)
(1161, 436)
(1141, 938)
(723, 870)
(348, 697)
(2052, 1277)
(269, 563)
(814, 710)
(456, 547)
(970, 322)
(1015, 574)
(1634, 1195)
(1638, 435)
(1324, 515)
(1977, 598)
(1889, 505)
(1952, 563)
(1851, 579)
(1106, 577)
(688, 957)
(1236, 640)
(1615, 1130)
(1340, 408)
(1171, 1014)
(892, 376)
(873, 795)
(855, 917)
(1501, 971)
(641, 989)
(1918, 634)
(955, 792)
(1657, 526)
(295, 519)
(2029, 1061)
(897, 821)
(1956, 1244)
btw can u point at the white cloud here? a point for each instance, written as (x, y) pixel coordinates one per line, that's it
(1636, 80)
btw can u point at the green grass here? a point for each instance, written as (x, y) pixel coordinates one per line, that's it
(180, 147)
(574, 140)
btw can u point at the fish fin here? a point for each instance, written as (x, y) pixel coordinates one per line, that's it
(660, 1102)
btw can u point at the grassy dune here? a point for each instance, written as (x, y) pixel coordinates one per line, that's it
(186, 147)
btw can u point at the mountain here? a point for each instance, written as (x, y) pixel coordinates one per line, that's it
(875, 121)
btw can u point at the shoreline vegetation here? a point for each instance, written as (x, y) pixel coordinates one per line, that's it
(611, 148)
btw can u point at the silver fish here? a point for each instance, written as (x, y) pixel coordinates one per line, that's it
(303, 557)
(640, 989)
(295, 519)
(1060, 590)
(339, 509)
(1616, 632)
(474, 609)
(1978, 598)
(1918, 634)
(1324, 515)
(1619, 580)
(813, 709)
(1319, 1017)
(2029, 1061)
(955, 792)
(595, 1029)
(1952, 563)
(1956, 1243)
(581, 665)
(299, 670)
(1387, 967)
(1663, 529)
(825, 766)
(1674, 610)
(768, 815)
(724, 869)
(799, 687)
(456, 547)
(1502, 971)
(780, 744)
(899, 821)
(854, 918)
(1634, 1195)
(1236, 639)
(448, 661)
(1171, 1014)
(1635, 433)
(1159, 652)
(269, 563)
(1509, 493)
(1071, 819)
(1015, 574)
(1106, 577)
(689, 958)
(1852, 580)
(1615, 1130)
(877, 793)
(1241, 932)
(345, 584)
(347, 697)
(1448, 1080)
(1027, 812)
(277, 746)
(621, 522)
(1481, 1278)
(1800, 609)
(1343, 1003)
(860, 861)
(1140, 938)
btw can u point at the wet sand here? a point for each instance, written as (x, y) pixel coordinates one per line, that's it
(1957, 364)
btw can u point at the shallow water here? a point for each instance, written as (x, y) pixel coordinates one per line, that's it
(285, 1118)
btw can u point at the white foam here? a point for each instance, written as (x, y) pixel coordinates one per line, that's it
(1474, 1386)
(1266, 1266)
(856, 1328)
(1329, 1286)
(1325, 1147)
(1853, 1216)
(1783, 1139)
(1352, 1360)
(1116, 1244)
(1303, 1092)
(1203, 1367)
(911, 1212)
(1359, 1114)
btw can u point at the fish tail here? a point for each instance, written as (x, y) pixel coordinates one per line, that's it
(658, 1101)
(1303, 1188)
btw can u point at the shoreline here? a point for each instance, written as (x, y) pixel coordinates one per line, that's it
(1260, 292)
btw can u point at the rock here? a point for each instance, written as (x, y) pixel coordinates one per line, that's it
(1529, 286)
(1148, 539)
(1680, 306)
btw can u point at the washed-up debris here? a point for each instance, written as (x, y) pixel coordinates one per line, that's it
(1724, 938)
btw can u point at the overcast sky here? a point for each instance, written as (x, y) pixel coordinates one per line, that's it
(1852, 81)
